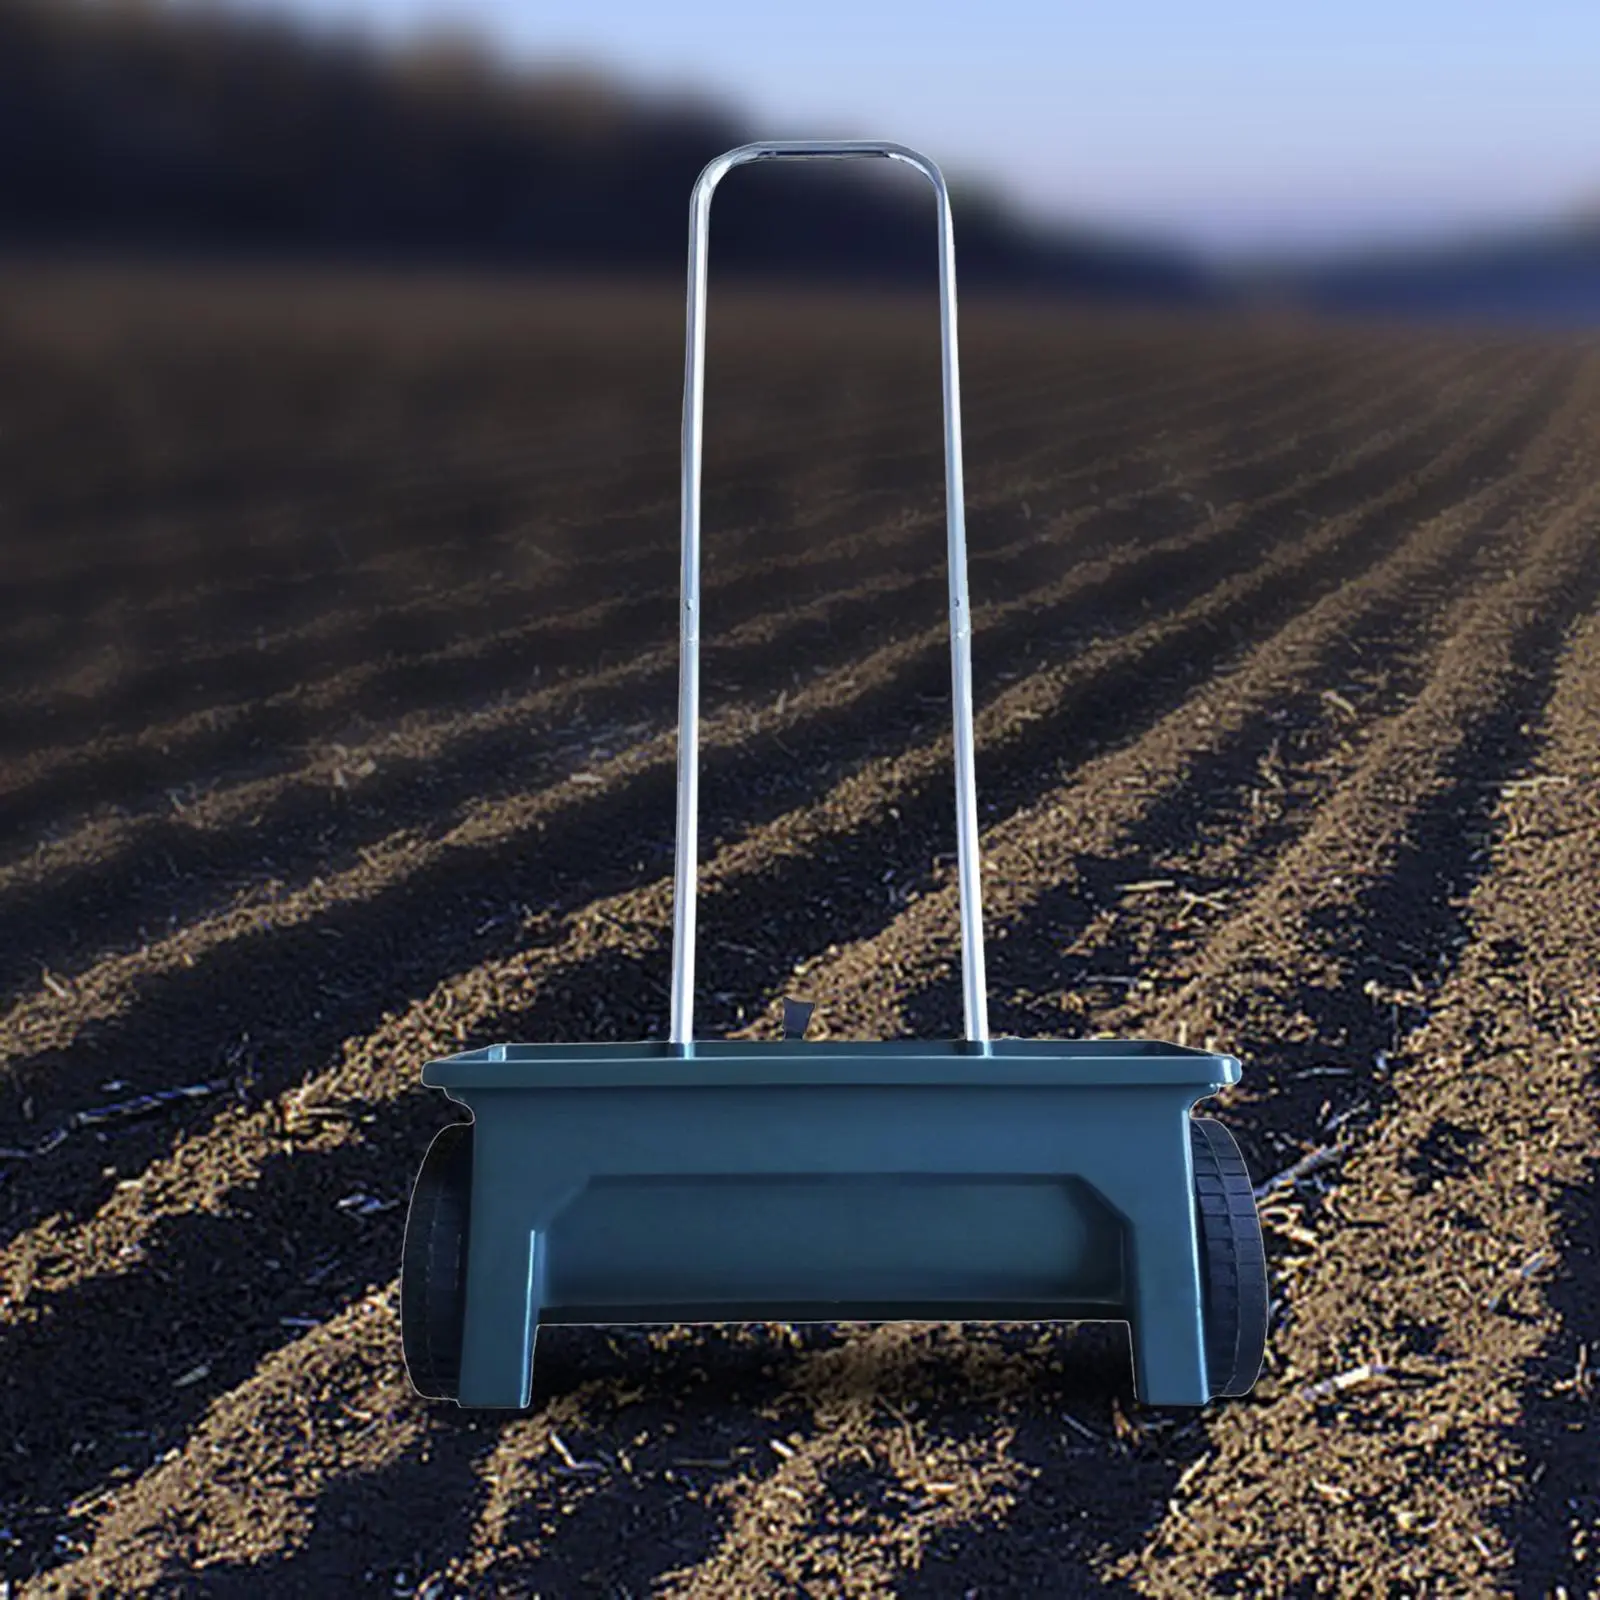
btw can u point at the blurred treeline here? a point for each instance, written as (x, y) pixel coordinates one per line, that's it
(152, 129)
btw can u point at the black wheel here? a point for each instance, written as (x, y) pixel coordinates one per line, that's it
(433, 1267)
(1233, 1260)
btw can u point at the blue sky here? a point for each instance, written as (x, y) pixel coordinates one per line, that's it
(1228, 125)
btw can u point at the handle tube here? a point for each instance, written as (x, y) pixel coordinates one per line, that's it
(973, 984)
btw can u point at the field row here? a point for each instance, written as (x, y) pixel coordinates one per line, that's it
(1286, 728)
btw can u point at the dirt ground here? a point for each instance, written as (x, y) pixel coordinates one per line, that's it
(339, 654)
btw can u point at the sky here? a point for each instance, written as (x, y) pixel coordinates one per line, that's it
(1233, 127)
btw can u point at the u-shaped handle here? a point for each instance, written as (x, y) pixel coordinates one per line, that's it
(684, 884)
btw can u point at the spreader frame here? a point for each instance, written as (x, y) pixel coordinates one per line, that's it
(739, 1181)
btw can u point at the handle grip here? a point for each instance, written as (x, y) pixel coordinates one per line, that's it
(974, 995)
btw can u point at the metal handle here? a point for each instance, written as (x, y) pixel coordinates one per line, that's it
(974, 993)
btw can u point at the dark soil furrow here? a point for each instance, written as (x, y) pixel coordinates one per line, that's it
(1534, 928)
(1564, 584)
(163, 757)
(1342, 700)
(426, 489)
(607, 975)
(639, 812)
(540, 367)
(1056, 838)
(1207, 640)
(1239, 808)
(414, 655)
(1063, 397)
(1287, 989)
(181, 868)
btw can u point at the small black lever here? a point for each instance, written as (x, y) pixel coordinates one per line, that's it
(797, 1018)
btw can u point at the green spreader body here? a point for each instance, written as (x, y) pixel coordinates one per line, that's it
(796, 1180)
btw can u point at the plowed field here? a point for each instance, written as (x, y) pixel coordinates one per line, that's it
(338, 638)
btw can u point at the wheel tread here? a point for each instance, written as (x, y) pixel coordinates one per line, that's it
(1233, 1260)
(433, 1267)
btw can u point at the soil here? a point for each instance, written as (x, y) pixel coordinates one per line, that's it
(340, 673)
